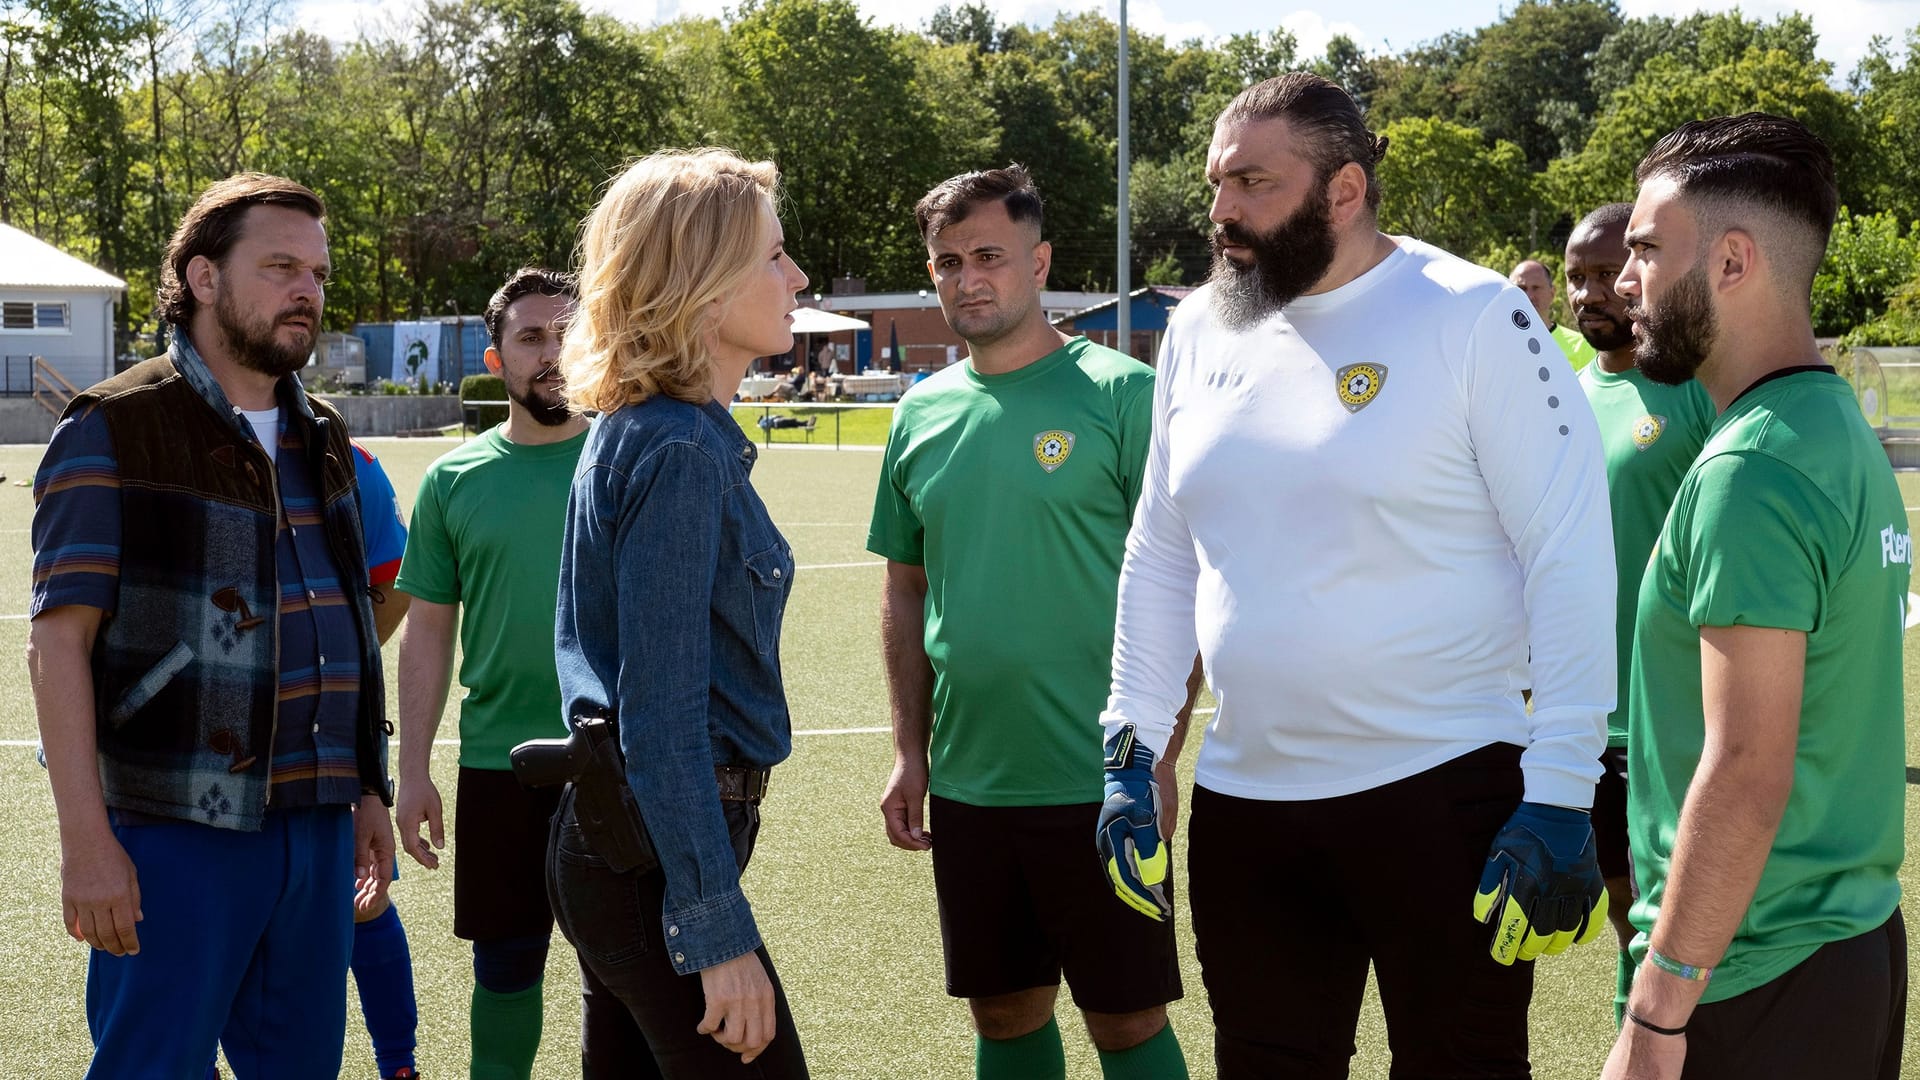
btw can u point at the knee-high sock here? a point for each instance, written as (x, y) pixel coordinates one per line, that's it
(506, 1033)
(383, 970)
(1037, 1055)
(1159, 1058)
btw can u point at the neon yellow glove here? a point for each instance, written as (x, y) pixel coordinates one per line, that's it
(1541, 888)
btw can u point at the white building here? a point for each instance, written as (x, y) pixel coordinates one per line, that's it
(55, 307)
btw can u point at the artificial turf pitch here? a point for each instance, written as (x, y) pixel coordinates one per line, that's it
(850, 920)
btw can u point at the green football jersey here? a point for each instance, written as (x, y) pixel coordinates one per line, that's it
(1015, 492)
(1790, 519)
(1651, 433)
(1574, 344)
(486, 534)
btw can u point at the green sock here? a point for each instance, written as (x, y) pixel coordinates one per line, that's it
(1159, 1058)
(1622, 983)
(1037, 1055)
(506, 1033)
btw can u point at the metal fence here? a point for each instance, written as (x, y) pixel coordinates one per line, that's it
(16, 376)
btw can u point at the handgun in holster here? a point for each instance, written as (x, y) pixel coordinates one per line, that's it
(603, 805)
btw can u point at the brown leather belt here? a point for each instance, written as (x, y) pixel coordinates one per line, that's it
(741, 784)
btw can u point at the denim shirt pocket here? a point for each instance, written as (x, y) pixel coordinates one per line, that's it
(769, 575)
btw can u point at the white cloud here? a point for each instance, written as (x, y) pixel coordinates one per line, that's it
(345, 20)
(1312, 32)
(1147, 17)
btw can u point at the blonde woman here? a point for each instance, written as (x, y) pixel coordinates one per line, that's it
(673, 581)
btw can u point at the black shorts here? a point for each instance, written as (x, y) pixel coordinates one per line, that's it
(500, 856)
(1840, 1014)
(1023, 899)
(1610, 817)
(1294, 901)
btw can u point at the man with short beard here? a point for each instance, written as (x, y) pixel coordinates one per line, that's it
(1766, 735)
(206, 666)
(1373, 489)
(485, 537)
(1651, 432)
(1002, 511)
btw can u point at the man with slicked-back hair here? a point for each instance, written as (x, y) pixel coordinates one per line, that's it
(1766, 737)
(1427, 535)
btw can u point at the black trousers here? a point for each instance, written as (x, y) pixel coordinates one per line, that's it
(1292, 901)
(1840, 1014)
(613, 920)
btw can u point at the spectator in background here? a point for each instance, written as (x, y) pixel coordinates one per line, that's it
(1532, 277)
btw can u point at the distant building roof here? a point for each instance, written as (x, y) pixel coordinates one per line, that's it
(1167, 296)
(27, 262)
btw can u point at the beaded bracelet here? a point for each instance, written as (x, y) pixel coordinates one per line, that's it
(1675, 967)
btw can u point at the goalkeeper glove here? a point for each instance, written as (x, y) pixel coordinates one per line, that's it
(1128, 836)
(1541, 888)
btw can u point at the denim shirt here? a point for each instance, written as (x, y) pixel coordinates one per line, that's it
(673, 581)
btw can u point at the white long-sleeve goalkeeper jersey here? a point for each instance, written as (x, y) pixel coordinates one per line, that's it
(1367, 512)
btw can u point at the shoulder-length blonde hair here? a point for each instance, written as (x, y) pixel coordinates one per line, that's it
(678, 230)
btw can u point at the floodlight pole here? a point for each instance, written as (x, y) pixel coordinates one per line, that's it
(1123, 308)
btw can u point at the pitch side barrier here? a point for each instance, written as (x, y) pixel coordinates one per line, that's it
(809, 414)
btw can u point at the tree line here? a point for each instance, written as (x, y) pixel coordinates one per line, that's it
(471, 136)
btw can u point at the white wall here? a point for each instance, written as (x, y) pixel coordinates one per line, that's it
(83, 353)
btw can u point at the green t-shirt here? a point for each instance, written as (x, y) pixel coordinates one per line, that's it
(1015, 492)
(1651, 433)
(1790, 519)
(1574, 344)
(486, 535)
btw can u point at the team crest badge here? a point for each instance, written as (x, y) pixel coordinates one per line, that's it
(1357, 384)
(1647, 431)
(1052, 448)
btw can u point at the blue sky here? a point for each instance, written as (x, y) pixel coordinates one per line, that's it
(1844, 26)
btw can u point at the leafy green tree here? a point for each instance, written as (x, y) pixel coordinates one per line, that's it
(1668, 93)
(835, 101)
(1445, 184)
(1889, 95)
(1702, 40)
(969, 24)
(1867, 259)
(1070, 162)
(1528, 74)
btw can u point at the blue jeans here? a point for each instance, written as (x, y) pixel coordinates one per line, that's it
(245, 941)
(614, 921)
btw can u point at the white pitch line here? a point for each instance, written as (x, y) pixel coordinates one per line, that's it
(840, 565)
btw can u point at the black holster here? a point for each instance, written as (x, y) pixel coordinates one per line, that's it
(589, 759)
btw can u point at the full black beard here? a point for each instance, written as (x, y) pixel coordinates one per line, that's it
(545, 413)
(1287, 261)
(254, 344)
(1676, 337)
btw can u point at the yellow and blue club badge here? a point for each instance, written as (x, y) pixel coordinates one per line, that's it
(1052, 448)
(1647, 431)
(1359, 384)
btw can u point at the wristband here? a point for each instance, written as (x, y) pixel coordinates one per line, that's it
(1656, 1028)
(1674, 967)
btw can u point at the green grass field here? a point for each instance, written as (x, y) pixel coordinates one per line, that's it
(849, 919)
